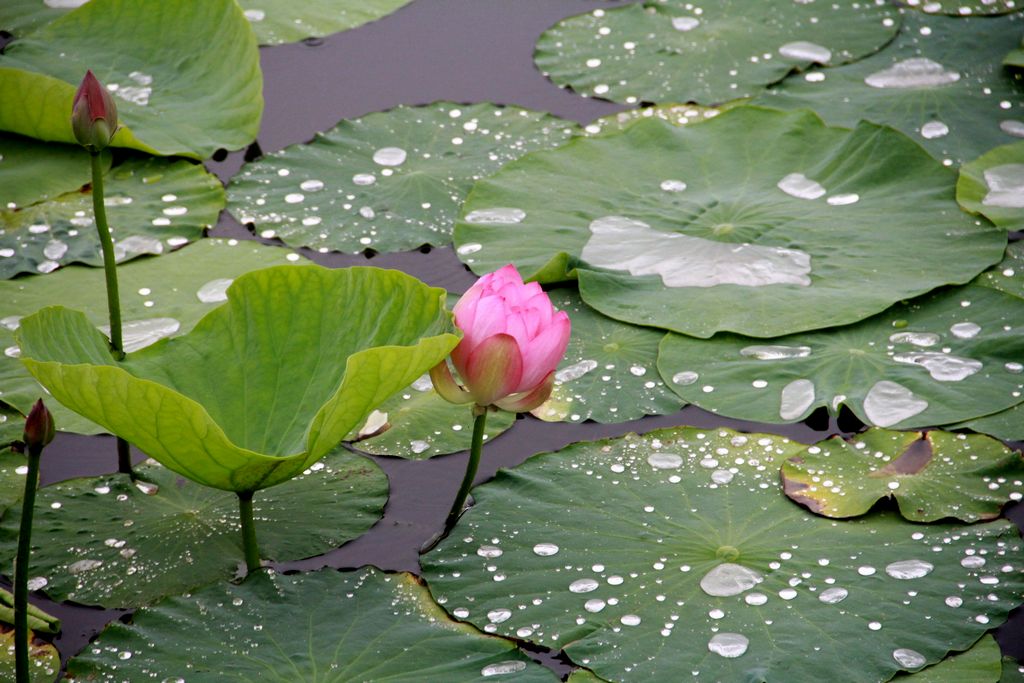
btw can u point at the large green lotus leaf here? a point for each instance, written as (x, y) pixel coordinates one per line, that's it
(186, 75)
(418, 424)
(1013, 671)
(13, 467)
(312, 351)
(609, 372)
(135, 542)
(758, 221)
(980, 664)
(965, 8)
(44, 660)
(389, 181)
(152, 205)
(282, 21)
(950, 356)
(993, 186)
(1007, 425)
(678, 114)
(941, 82)
(931, 476)
(1007, 276)
(33, 171)
(17, 17)
(653, 557)
(320, 626)
(668, 51)
(1015, 57)
(159, 297)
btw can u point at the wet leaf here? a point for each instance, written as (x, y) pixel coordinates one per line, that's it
(931, 476)
(156, 294)
(712, 227)
(12, 482)
(137, 542)
(609, 372)
(674, 52)
(389, 181)
(153, 206)
(301, 376)
(44, 660)
(945, 357)
(1007, 425)
(964, 8)
(651, 557)
(281, 21)
(418, 424)
(941, 82)
(186, 77)
(33, 171)
(980, 664)
(678, 114)
(349, 626)
(993, 186)
(1007, 276)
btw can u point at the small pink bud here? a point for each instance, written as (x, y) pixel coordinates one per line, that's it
(512, 341)
(93, 114)
(39, 428)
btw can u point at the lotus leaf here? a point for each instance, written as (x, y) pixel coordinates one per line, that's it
(653, 557)
(980, 664)
(993, 186)
(758, 221)
(931, 476)
(44, 660)
(950, 356)
(389, 181)
(327, 625)
(312, 352)
(965, 8)
(282, 21)
(671, 51)
(33, 171)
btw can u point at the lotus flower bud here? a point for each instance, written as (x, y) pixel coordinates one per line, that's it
(512, 342)
(39, 428)
(93, 114)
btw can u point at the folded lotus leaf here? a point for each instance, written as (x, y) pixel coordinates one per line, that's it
(265, 384)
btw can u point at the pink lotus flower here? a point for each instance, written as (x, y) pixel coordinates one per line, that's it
(512, 342)
(93, 114)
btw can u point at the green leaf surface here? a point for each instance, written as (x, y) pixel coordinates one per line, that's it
(993, 186)
(418, 424)
(1014, 58)
(944, 85)
(44, 660)
(931, 476)
(1007, 425)
(687, 227)
(186, 75)
(159, 297)
(12, 481)
(389, 181)
(153, 205)
(653, 557)
(609, 372)
(1007, 276)
(965, 8)
(1013, 671)
(33, 171)
(946, 357)
(18, 17)
(282, 21)
(327, 625)
(980, 664)
(312, 352)
(136, 542)
(673, 52)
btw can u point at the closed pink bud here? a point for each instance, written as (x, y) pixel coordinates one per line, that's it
(512, 340)
(93, 114)
(39, 427)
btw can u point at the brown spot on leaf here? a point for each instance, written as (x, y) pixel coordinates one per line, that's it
(917, 456)
(793, 490)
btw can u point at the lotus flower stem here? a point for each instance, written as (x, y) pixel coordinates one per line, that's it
(249, 547)
(39, 431)
(124, 461)
(479, 423)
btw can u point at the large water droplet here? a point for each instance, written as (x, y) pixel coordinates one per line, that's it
(497, 216)
(934, 129)
(138, 334)
(489, 551)
(916, 338)
(496, 616)
(503, 668)
(728, 644)
(729, 579)
(775, 352)
(800, 186)
(908, 659)
(594, 605)
(888, 403)
(909, 569)
(806, 52)
(797, 397)
(389, 156)
(583, 585)
(966, 330)
(831, 596)
(545, 549)
(665, 461)
(685, 378)
(214, 291)
(916, 72)
(685, 23)
(941, 366)
(575, 371)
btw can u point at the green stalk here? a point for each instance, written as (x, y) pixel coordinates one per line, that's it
(21, 568)
(479, 422)
(124, 462)
(249, 547)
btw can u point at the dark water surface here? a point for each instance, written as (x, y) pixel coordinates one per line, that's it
(461, 50)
